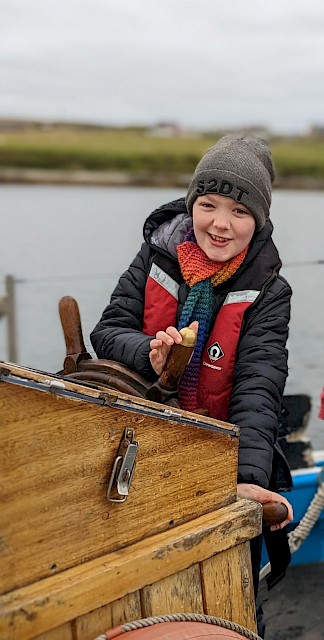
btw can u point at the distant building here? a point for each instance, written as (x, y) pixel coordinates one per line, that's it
(166, 130)
(317, 131)
(256, 130)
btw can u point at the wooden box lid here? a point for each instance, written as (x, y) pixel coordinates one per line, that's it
(58, 444)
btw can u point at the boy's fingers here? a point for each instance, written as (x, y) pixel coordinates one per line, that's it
(194, 326)
(174, 334)
(164, 338)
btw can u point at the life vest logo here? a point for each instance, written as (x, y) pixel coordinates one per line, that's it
(215, 352)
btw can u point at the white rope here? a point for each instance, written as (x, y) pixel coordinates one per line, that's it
(192, 617)
(184, 617)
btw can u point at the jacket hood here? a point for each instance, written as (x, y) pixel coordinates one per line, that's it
(167, 226)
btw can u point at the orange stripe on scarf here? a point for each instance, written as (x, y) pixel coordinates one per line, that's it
(196, 266)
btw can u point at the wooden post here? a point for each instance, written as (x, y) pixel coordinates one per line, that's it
(7, 308)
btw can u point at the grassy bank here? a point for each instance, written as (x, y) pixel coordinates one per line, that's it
(73, 149)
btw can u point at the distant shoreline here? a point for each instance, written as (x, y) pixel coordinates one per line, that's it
(127, 179)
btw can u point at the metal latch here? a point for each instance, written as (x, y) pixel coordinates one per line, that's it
(123, 469)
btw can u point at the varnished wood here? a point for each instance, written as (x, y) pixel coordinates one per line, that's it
(166, 387)
(105, 379)
(66, 596)
(79, 364)
(178, 358)
(71, 324)
(274, 513)
(128, 381)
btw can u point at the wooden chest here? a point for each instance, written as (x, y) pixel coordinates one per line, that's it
(65, 547)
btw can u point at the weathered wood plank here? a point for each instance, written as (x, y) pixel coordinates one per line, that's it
(92, 624)
(58, 599)
(64, 632)
(228, 586)
(179, 593)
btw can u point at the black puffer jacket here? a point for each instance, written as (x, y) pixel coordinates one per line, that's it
(261, 365)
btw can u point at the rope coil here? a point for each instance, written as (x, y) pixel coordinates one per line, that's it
(186, 617)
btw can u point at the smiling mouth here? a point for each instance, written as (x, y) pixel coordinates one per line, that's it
(218, 238)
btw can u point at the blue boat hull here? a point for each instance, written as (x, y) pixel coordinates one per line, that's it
(305, 485)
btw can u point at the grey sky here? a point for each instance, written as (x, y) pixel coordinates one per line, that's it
(201, 63)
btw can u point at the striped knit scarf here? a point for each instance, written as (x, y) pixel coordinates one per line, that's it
(201, 274)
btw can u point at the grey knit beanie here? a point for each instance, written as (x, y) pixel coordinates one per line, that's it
(240, 168)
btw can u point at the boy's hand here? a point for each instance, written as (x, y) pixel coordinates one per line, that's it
(253, 492)
(162, 343)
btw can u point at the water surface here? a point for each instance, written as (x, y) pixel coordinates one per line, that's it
(77, 240)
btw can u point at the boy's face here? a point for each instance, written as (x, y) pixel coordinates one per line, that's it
(223, 228)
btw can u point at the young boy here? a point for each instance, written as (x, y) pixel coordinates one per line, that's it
(208, 261)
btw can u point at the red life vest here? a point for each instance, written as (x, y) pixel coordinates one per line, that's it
(218, 359)
(161, 301)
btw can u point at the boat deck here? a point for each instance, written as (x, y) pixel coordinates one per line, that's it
(294, 609)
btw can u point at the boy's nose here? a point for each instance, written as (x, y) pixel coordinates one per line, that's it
(221, 220)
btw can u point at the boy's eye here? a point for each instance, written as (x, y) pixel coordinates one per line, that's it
(208, 205)
(241, 211)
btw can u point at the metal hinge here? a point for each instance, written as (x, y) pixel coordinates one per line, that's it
(123, 469)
